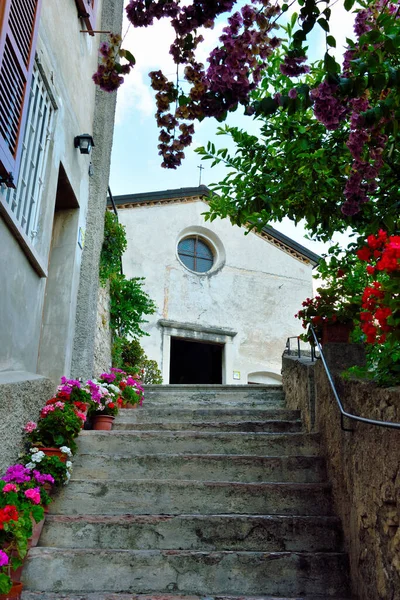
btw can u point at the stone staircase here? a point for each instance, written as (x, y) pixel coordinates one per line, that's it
(205, 492)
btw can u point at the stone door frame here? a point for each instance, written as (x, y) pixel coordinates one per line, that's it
(196, 333)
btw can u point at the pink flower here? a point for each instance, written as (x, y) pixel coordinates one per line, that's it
(81, 416)
(4, 560)
(59, 405)
(34, 495)
(10, 487)
(30, 426)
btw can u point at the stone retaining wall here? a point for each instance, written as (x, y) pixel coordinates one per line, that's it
(102, 346)
(363, 467)
(22, 395)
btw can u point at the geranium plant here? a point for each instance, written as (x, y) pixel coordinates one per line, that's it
(103, 399)
(58, 425)
(48, 469)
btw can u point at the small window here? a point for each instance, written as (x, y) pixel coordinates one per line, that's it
(195, 254)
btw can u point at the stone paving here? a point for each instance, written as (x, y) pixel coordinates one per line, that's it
(207, 492)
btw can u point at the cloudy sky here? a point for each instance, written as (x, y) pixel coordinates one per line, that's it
(135, 163)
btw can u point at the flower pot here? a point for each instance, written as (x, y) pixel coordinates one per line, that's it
(103, 422)
(36, 531)
(336, 333)
(14, 593)
(129, 405)
(50, 451)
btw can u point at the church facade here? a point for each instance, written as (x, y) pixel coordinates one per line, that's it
(226, 301)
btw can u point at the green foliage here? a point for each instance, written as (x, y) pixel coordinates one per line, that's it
(129, 302)
(151, 373)
(130, 356)
(383, 365)
(299, 168)
(57, 428)
(114, 245)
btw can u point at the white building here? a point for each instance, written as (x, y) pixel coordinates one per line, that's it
(52, 198)
(226, 301)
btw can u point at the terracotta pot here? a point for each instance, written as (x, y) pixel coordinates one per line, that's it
(14, 593)
(129, 405)
(36, 531)
(103, 422)
(336, 333)
(50, 451)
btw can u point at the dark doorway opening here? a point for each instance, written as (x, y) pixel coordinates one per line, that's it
(195, 362)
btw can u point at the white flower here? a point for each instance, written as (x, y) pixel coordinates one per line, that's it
(34, 450)
(38, 456)
(114, 389)
(68, 464)
(30, 465)
(67, 478)
(66, 450)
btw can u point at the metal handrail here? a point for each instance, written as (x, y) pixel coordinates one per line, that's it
(289, 350)
(344, 413)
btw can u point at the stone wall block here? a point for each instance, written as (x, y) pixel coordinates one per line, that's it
(364, 469)
(103, 340)
(21, 397)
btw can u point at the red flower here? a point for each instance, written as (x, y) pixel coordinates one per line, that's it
(8, 513)
(111, 405)
(370, 269)
(340, 273)
(364, 253)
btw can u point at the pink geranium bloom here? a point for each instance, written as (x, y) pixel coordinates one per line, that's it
(10, 487)
(30, 426)
(4, 560)
(34, 495)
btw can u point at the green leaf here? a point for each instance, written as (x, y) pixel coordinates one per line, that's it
(330, 64)
(129, 56)
(330, 40)
(348, 4)
(268, 106)
(324, 24)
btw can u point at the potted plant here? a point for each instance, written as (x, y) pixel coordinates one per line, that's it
(9, 590)
(103, 405)
(58, 425)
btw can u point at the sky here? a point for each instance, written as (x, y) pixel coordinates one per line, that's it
(135, 164)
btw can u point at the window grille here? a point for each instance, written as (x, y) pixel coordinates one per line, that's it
(24, 201)
(195, 254)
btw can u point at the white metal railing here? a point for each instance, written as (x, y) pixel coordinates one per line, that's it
(24, 201)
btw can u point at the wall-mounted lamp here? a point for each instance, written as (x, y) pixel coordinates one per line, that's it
(84, 142)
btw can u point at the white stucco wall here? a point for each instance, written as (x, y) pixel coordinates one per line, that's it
(255, 292)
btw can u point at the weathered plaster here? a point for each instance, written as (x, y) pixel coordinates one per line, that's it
(22, 395)
(86, 314)
(254, 289)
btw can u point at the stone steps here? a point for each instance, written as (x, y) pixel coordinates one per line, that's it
(273, 426)
(172, 497)
(168, 414)
(122, 596)
(255, 533)
(206, 493)
(187, 572)
(201, 442)
(111, 596)
(211, 467)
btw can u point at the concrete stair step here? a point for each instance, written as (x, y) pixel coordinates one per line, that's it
(194, 532)
(186, 572)
(250, 469)
(233, 402)
(243, 426)
(167, 414)
(204, 442)
(110, 596)
(173, 497)
(176, 394)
